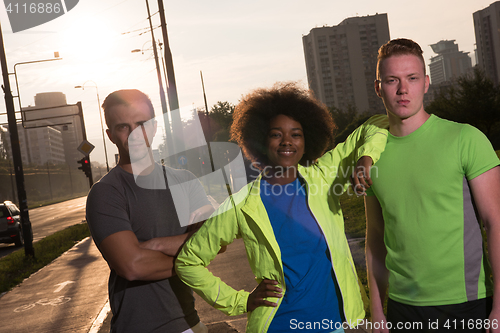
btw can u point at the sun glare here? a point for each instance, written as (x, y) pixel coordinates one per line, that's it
(88, 42)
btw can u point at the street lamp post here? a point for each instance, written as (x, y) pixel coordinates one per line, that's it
(23, 116)
(100, 116)
(161, 55)
(56, 57)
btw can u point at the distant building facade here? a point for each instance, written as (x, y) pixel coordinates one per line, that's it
(450, 63)
(38, 145)
(53, 107)
(50, 133)
(341, 62)
(487, 30)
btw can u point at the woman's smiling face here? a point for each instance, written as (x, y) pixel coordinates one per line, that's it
(285, 142)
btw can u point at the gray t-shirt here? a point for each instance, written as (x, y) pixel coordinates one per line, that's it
(118, 202)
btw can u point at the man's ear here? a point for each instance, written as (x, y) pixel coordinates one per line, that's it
(427, 82)
(110, 137)
(376, 85)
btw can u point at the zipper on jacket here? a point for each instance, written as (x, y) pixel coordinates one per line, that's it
(272, 312)
(282, 273)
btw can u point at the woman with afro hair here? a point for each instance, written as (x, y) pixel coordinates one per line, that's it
(289, 217)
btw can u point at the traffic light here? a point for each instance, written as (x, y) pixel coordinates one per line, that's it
(85, 166)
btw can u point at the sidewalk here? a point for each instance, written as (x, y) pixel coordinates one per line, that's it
(70, 294)
(65, 296)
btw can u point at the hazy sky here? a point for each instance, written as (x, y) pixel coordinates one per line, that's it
(239, 46)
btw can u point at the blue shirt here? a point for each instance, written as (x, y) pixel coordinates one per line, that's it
(311, 288)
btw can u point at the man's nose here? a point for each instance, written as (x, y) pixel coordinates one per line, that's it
(403, 87)
(136, 133)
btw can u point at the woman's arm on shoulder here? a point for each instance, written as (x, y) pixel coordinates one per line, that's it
(369, 139)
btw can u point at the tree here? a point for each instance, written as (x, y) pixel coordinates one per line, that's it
(222, 114)
(342, 118)
(346, 121)
(219, 121)
(474, 100)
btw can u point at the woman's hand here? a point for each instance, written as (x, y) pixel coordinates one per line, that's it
(267, 288)
(360, 178)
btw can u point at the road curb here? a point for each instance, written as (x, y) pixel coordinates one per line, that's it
(99, 321)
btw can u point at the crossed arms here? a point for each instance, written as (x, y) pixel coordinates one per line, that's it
(150, 260)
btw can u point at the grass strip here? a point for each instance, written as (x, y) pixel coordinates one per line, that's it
(16, 267)
(353, 209)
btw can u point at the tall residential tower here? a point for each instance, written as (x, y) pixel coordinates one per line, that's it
(341, 62)
(487, 29)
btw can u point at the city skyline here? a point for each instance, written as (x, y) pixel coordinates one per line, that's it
(238, 46)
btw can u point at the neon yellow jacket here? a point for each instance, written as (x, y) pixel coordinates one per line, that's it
(244, 216)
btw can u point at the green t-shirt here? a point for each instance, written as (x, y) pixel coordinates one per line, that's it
(435, 252)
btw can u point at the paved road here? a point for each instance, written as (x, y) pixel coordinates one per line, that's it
(233, 268)
(70, 294)
(49, 219)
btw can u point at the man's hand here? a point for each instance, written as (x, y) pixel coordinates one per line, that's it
(494, 321)
(360, 178)
(267, 288)
(199, 216)
(170, 245)
(124, 254)
(380, 322)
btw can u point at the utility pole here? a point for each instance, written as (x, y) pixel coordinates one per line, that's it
(173, 100)
(170, 144)
(16, 154)
(209, 134)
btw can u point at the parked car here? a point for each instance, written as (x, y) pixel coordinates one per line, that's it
(10, 224)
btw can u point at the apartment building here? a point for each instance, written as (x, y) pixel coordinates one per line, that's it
(341, 62)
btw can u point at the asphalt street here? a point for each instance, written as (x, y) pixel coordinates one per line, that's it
(48, 219)
(70, 294)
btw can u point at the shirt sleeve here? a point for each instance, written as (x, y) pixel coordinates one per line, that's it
(476, 152)
(187, 192)
(375, 134)
(197, 195)
(367, 140)
(190, 265)
(106, 212)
